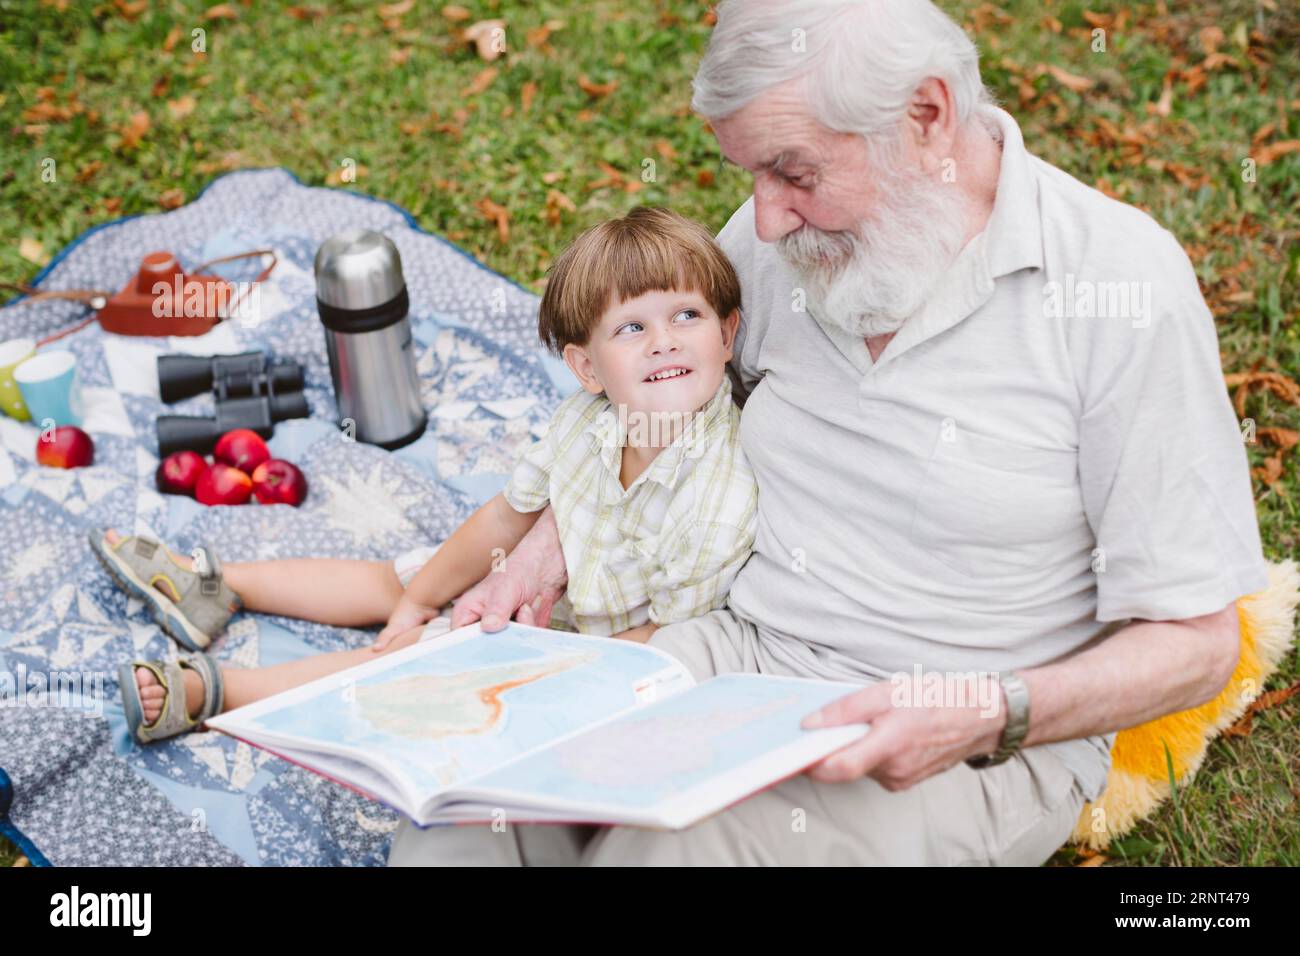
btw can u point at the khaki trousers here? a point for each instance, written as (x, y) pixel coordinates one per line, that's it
(1017, 813)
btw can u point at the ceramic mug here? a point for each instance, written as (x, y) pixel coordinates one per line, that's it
(12, 354)
(51, 388)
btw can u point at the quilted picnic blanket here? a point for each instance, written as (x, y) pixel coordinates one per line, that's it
(86, 794)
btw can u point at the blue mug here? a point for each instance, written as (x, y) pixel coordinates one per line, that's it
(51, 388)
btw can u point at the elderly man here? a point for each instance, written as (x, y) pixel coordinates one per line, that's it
(976, 459)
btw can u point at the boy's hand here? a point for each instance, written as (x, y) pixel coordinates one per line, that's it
(405, 616)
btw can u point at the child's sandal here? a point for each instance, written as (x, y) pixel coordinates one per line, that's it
(174, 718)
(202, 602)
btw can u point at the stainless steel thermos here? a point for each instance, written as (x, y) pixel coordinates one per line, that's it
(362, 300)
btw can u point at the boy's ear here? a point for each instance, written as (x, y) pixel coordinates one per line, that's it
(730, 325)
(579, 362)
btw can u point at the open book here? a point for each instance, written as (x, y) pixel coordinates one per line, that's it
(530, 724)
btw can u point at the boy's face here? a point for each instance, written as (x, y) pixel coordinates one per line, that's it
(657, 331)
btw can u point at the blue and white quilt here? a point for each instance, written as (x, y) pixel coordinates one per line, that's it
(86, 793)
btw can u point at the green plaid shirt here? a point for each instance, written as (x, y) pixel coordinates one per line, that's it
(664, 550)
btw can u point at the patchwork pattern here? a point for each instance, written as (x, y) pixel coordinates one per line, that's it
(86, 794)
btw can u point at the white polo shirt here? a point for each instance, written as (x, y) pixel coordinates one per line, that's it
(1017, 475)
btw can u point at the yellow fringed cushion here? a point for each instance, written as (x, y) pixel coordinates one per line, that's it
(1139, 779)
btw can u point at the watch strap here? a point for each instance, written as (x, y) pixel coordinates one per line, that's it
(1017, 726)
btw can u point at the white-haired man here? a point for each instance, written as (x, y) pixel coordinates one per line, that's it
(975, 456)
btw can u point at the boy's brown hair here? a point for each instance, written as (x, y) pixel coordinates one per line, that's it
(649, 249)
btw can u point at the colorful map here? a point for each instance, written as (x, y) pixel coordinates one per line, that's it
(466, 706)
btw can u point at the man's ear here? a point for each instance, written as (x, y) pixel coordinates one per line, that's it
(730, 325)
(579, 362)
(931, 122)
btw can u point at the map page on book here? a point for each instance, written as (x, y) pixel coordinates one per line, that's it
(447, 709)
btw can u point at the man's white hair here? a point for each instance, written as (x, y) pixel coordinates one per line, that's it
(863, 60)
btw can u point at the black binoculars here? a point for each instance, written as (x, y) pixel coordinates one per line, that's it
(249, 391)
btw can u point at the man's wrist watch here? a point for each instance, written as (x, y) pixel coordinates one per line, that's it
(1017, 725)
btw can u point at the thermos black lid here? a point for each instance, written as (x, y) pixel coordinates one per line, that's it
(359, 283)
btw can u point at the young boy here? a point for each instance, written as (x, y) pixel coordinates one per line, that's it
(654, 501)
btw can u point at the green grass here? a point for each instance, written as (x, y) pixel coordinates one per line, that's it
(277, 91)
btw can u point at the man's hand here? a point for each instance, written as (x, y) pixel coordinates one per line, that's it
(907, 742)
(525, 586)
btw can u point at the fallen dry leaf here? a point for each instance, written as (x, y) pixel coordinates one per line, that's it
(455, 13)
(1211, 38)
(480, 82)
(135, 129)
(488, 37)
(526, 94)
(31, 250)
(131, 10)
(596, 90)
(394, 9)
(173, 37)
(305, 13)
(1166, 102)
(1270, 473)
(540, 37)
(1284, 388)
(499, 215)
(1273, 150)
(87, 172)
(1274, 697)
(48, 113)
(986, 16)
(1079, 84)
(1263, 133)
(172, 199)
(222, 11)
(182, 107)
(556, 201)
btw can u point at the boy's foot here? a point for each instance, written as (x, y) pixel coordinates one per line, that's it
(152, 693)
(189, 598)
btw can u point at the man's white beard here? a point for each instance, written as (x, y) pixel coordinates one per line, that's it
(881, 272)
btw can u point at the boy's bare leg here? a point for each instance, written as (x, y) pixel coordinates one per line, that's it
(336, 591)
(243, 685)
(340, 592)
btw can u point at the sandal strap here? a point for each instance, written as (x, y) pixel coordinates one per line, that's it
(174, 718)
(209, 570)
(214, 690)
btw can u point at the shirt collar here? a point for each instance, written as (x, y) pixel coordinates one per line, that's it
(1014, 233)
(606, 436)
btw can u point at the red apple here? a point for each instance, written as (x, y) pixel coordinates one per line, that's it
(242, 448)
(180, 472)
(67, 447)
(223, 485)
(279, 482)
